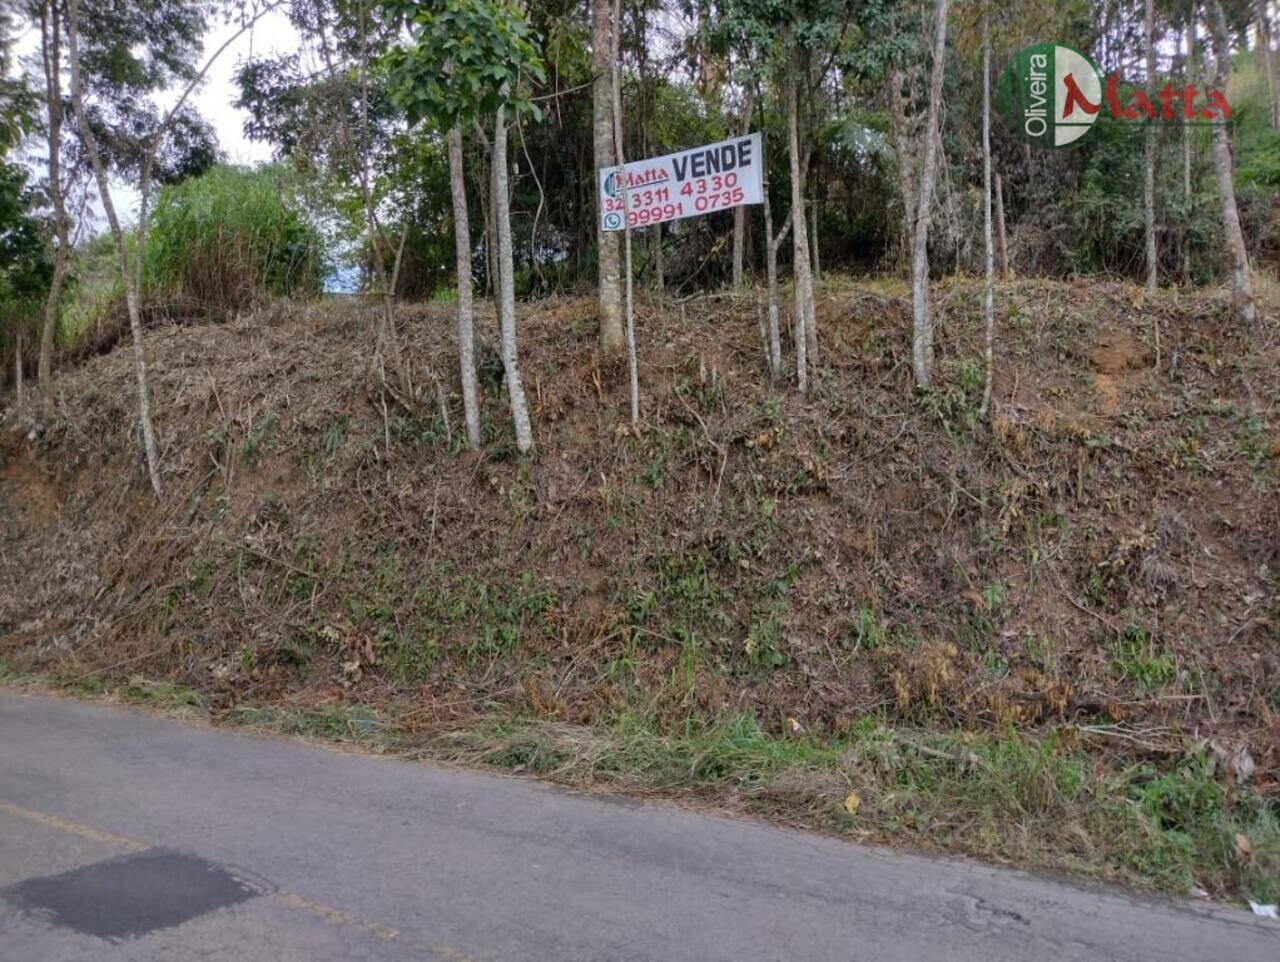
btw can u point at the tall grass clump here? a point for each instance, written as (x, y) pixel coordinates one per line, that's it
(228, 239)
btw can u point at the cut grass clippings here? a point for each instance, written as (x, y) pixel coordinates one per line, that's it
(1048, 802)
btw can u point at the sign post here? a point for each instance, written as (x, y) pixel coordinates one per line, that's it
(688, 183)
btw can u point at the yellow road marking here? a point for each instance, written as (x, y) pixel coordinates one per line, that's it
(337, 916)
(319, 909)
(73, 828)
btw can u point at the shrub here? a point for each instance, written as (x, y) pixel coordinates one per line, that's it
(223, 241)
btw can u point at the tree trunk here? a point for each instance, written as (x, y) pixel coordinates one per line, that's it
(740, 212)
(1149, 158)
(1233, 236)
(1002, 241)
(988, 294)
(659, 262)
(739, 242)
(131, 292)
(466, 316)
(633, 372)
(771, 245)
(905, 157)
(922, 330)
(507, 286)
(654, 237)
(19, 389)
(378, 242)
(813, 245)
(1189, 60)
(805, 322)
(51, 60)
(607, 242)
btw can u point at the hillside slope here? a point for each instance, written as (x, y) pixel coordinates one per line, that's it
(1102, 559)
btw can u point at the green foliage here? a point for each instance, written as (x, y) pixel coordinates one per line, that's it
(1140, 660)
(228, 238)
(465, 59)
(24, 263)
(94, 298)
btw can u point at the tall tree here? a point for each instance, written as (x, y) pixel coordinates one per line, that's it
(465, 312)
(806, 334)
(922, 321)
(785, 42)
(1224, 169)
(1149, 154)
(988, 246)
(506, 293)
(740, 213)
(603, 29)
(465, 61)
(128, 271)
(633, 374)
(50, 14)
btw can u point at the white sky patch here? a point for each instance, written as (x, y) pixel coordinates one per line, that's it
(215, 97)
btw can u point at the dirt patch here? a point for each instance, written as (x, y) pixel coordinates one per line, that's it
(26, 491)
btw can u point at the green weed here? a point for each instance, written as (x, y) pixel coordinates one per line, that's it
(1137, 658)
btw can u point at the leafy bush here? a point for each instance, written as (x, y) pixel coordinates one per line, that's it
(225, 240)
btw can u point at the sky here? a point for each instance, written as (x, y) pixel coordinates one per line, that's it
(216, 96)
(273, 34)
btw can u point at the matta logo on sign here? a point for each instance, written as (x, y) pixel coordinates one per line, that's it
(685, 184)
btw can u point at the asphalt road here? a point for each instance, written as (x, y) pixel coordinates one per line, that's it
(125, 836)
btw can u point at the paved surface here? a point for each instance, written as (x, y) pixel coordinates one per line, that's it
(124, 836)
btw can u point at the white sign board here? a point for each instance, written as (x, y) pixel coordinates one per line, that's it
(684, 184)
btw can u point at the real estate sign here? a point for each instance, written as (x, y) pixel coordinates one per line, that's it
(685, 184)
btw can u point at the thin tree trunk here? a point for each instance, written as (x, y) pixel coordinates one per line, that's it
(1149, 158)
(771, 245)
(905, 157)
(19, 390)
(53, 301)
(386, 339)
(466, 316)
(988, 295)
(1233, 236)
(506, 286)
(1189, 60)
(633, 373)
(51, 60)
(131, 293)
(740, 212)
(739, 238)
(659, 262)
(654, 237)
(607, 242)
(1002, 241)
(813, 246)
(806, 334)
(922, 333)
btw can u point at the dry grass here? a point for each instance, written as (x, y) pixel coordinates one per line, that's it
(1099, 559)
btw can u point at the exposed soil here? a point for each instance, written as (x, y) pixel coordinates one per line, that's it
(1105, 552)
